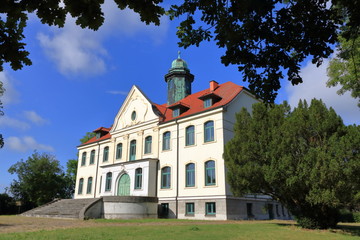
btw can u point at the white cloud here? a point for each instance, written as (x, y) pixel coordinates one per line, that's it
(6, 121)
(74, 51)
(26, 143)
(11, 95)
(118, 92)
(314, 86)
(126, 22)
(77, 51)
(35, 118)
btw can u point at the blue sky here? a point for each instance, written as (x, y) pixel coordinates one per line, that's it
(79, 79)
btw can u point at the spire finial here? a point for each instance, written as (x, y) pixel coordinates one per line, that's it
(178, 54)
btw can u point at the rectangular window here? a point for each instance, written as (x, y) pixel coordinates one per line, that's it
(165, 177)
(210, 208)
(176, 112)
(148, 143)
(207, 102)
(190, 136)
(190, 209)
(166, 141)
(92, 157)
(209, 131)
(138, 178)
(119, 151)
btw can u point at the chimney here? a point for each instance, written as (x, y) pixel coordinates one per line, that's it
(213, 85)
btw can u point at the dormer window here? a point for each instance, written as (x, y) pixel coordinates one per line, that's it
(176, 112)
(179, 108)
(210, 99)
(208, 102)
(98, 135)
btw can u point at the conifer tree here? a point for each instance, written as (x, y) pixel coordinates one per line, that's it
(306, 158)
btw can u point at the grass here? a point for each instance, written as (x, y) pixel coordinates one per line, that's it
(179, 229)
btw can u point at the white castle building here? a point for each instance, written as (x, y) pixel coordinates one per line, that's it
(172, 152)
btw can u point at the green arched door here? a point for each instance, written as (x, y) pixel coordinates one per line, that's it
(124, 185)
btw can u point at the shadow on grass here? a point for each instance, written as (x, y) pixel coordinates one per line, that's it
(353, 230)
(342, 228)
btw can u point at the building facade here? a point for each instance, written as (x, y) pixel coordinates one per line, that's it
(173, 152)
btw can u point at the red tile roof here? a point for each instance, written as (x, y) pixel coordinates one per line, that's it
(225, 93)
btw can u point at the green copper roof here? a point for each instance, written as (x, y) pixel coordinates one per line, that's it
(179, 63)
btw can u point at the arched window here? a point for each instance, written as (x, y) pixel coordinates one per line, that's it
(89, 185)
(83, 159)
(165, 177)
(138, 178)
(132, 150)
(190, 135)
(210, 178)
(166, 141)
(119, 151)
(190, 175)
(148, 143)
(80, 188)
(92, 157)
(106, 154)
(209, 131)
(108, 181)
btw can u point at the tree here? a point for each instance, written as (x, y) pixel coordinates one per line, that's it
(40, 180)
(71, 171)
(306, 159)
(87, 137)
(1, 113)
(344, 69)
(263, 38)
(72, 164)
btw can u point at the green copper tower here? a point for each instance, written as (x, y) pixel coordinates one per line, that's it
(179, 81)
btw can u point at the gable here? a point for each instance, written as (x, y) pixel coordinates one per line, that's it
(135, 110)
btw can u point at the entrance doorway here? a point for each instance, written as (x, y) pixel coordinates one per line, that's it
(124, 185)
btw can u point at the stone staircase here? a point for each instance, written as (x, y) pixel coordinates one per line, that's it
(61, 208)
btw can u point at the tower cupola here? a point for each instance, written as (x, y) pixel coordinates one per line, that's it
(179, 80)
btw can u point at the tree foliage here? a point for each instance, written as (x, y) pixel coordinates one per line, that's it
(306, 159)
(263, 38)
(1, 113)
(344, 69)
(87, 137)
(40, 180)
(71, 171)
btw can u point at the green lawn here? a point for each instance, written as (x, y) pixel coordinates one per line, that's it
(174, 229)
